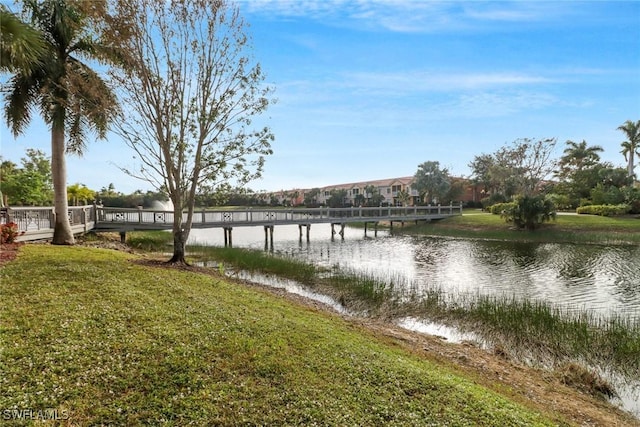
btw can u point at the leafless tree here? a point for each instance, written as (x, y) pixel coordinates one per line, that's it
(190, 90)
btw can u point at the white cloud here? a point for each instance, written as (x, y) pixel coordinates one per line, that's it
(408, 16)
(438, 82)
(498, 104)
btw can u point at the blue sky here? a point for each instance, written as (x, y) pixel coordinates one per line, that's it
(370, 89)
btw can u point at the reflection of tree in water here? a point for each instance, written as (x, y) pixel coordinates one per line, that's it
(524, 254)
(575, 264)
(497, 254)
(599, 277)
(429, 252)
(626, 269)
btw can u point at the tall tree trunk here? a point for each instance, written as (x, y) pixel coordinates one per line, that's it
(180, 234)
(62, 234)
(630, 167)
(179, 245)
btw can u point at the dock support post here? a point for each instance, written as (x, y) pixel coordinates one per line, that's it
(268, 237)
(308, 226)
(123, 237)
(375, 228)
(227, 237)
(333, 231)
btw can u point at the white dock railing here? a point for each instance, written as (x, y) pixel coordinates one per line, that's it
(38, 222)
(118, 218)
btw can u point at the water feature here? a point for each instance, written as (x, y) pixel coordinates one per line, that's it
(601, 278)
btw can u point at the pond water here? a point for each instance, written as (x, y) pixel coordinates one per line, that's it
(602, 278)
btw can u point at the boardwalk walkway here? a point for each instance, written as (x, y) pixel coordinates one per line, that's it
(37, 223)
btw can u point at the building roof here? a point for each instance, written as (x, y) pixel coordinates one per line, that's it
(376, 183)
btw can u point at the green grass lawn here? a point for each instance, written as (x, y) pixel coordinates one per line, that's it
(566, 228)
(104, 340)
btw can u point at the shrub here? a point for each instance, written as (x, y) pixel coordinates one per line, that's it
(499, 208)
(632, 198)
(604, 210)
(560, 201)
(487, 202)
(9, 232)
(529, 212)
(606, 195)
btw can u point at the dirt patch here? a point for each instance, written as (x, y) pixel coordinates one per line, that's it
(103, 240)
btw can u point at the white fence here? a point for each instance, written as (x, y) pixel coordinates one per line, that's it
(38, 222)
(119, 218)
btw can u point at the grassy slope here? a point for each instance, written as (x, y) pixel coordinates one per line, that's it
(87, 332)
(566, 228)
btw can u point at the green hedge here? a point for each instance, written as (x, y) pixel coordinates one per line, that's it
(604, 210)
(498, 208)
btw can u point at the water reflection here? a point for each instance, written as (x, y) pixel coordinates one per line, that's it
(439, 330)
(597, 277)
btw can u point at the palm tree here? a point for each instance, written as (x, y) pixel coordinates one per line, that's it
(631, 147)
(404, 197)
(70, 96)
(577, 157)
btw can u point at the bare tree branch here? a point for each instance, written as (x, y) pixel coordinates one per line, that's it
(190, 90)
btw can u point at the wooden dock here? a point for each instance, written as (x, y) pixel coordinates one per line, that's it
(37, 223)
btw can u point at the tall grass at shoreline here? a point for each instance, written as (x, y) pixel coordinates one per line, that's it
(258, 261)
(531, 327)
(533, 330)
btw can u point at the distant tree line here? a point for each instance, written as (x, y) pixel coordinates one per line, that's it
(577, 178)
(523, 170)
(30, 183)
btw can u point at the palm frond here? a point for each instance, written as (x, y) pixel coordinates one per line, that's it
(91, 96)
(21, 46)
(20, 99)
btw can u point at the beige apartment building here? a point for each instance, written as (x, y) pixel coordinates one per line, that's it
(392, 191)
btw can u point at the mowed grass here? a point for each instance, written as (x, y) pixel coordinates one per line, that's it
(565, 228)
(103, 340)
